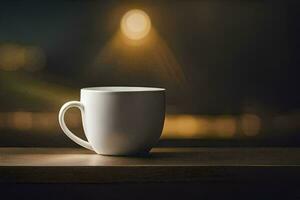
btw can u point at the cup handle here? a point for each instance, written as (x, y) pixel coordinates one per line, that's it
(65, 129)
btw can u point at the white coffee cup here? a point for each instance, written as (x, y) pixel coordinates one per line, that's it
(118, 120)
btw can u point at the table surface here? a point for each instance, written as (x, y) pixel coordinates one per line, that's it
(47, 165)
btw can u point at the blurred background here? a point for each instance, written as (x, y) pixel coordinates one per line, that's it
(231, 68)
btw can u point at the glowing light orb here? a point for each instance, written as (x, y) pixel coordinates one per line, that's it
(135, 24)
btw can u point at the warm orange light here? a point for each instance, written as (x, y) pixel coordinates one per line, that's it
(135, 24)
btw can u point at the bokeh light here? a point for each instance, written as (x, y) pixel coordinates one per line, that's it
(250, 124)
(135, 24)
(16, 56)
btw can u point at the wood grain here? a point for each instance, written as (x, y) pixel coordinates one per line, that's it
(47, 165)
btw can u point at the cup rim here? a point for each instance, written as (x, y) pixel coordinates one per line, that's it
(121, 89)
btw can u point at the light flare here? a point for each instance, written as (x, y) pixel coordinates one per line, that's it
(135, 24)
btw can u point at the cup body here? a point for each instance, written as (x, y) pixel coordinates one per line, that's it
(122, 120)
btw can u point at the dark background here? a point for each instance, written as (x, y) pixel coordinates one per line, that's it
(230, 68)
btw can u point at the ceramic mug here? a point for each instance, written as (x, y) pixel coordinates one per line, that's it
(118, 120)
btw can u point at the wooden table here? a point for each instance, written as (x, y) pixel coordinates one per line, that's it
(66, 165)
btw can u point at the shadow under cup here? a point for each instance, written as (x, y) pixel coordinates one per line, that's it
(119, 120)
